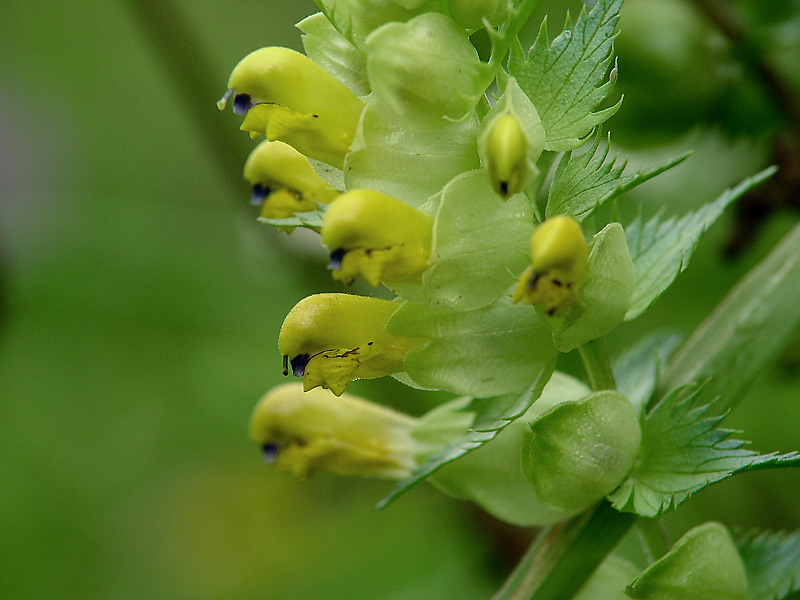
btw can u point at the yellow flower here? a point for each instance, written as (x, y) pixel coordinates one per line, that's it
(331, 339)
(306, 432)
(558, 260)
(286, 96)
(375, 237)
(283, 181)
(506, 155)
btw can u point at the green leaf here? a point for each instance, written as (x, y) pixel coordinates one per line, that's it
(661, 248)
(637, 368)
(772, 562)
(583, 182)
(492, 415)
(408, 164)
(330, 50)
(746, 330)
(478, 241)
(566, 80)
(494, 350)
(683, 451)
(312, 218)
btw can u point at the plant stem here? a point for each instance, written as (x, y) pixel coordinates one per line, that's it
(596, 361)
(564, 556)
(653, 537)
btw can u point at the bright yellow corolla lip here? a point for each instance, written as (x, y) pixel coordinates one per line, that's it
(375, 237)
(331, 339)
(285, 96)
(558, 260)
(307, 432)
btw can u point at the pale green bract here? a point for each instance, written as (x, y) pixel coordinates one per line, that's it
(772, 562)
(566, 80)
(661, 248)
(683, 451)
(584, 182)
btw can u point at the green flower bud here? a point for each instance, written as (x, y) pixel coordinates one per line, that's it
(283, 181)
(510, 141)
(287, 97)
(470, 13)
(491, 476)
(580, 451)
(703, 565)
(558, 260)
(374, 237)
(426, 71)
(331, 339)
(307, 432)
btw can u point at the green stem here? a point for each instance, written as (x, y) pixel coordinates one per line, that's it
(653, 536)
(597, 363)
(565, 555)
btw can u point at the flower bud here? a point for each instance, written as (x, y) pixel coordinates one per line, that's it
(286, 96)
(426, 71)
(306, 432)
(374, 237)
(470, 13)
(703, 565)
(558, 259)
(331, 339)
(510, 141)
(578, 452)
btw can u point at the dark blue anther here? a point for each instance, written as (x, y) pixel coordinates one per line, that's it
(299, 363)
(241, 103)
(260, 193)
(335, 260)
(269, 452)
(533, 279)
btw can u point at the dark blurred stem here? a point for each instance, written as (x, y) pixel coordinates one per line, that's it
(187, 66)
(784, 99)
(564, 556)
(596, 361)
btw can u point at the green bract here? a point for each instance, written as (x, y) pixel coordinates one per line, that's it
(425, 71)
(580, 451)
(470, 13)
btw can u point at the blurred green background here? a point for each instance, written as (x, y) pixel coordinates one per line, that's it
(141, 304)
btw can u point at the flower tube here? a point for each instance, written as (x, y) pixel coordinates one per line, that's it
(307, 432)
(285, 96)
(374, 237)
(331, 339)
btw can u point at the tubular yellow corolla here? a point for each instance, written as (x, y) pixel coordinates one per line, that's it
(283, 181)
(558, 260)
(375, 237)
(285, 96)
(331, 339)
(306, 432)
